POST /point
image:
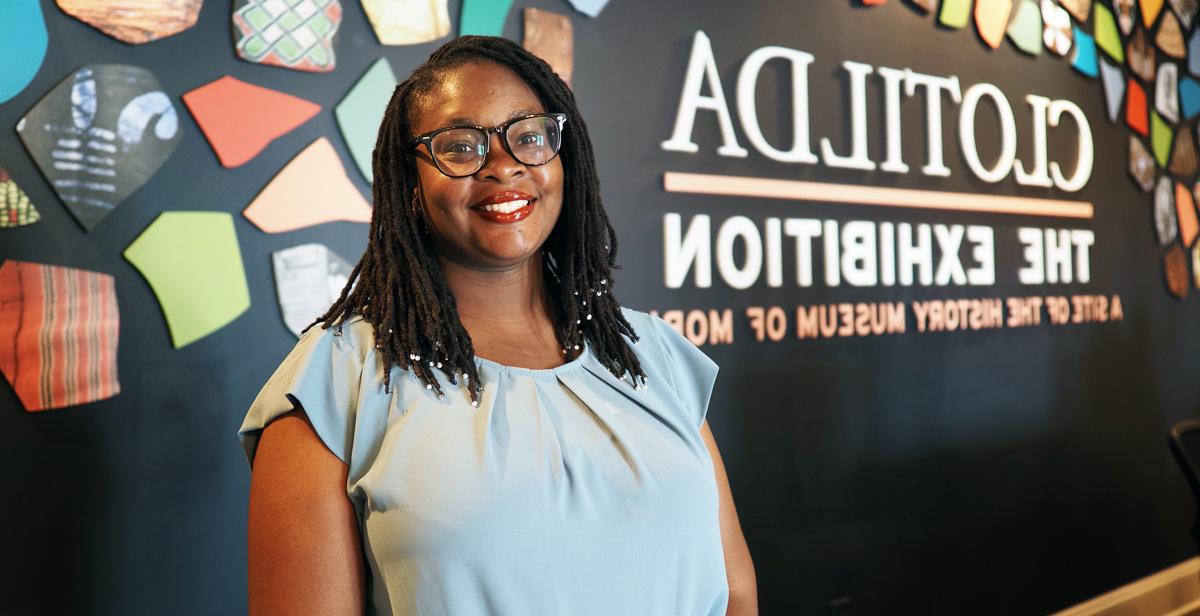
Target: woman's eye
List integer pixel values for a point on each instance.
(531, 139)
(459, 148)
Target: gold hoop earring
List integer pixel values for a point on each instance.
(418, 212)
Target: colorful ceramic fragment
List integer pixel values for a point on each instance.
(407, 22)
(954, 13)
(1141, 164)
(1186, 10)
(592, 8)
(16, 209)
(551, 37)
(99, 135)
(1125, 10)
(1135, 108)
(194, 266)
(22, 45)
(295, 34)
(1107, 37)
(1160, 139)
(1025, 30)
(1165, 226)
(1170, 37)
(361, 111)
(1196, 264)
(1150, 11)
(60, 327)
(1183, 154)
(484, 17)
(1166, 91)
(1079, 9)
(991, 19)
(135, 21)
(308, 279)
(1189, 96)
(1185, 212)
(1141, 56)
(1194, 53)
(1113, 80)
(1084, 57)
(312, 189)
(1056, 33)
(240, 119)
(1175, 270)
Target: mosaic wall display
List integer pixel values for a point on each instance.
(1149, 63)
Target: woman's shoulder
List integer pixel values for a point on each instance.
(654, 336)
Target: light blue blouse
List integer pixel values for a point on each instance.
(565, 492)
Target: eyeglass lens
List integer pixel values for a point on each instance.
(532, 141)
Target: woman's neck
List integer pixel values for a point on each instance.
(505, 302)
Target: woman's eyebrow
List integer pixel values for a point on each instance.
(465, 121)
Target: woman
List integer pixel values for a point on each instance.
(396, 470)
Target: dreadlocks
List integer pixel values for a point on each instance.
(398, 284)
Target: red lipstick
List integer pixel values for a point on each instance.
(505, 207)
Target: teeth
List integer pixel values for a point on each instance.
(507, 207)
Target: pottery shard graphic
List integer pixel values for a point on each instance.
(1164, 212)
(1056, 32)
(308, 279)
(295, 34)
(1141, 164)
(99, 135)
(135, 21)
(59, 328)
(15, 208)
(1141, 56)
(1175, 270)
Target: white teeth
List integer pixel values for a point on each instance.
(507, 207)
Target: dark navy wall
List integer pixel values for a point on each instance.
(1002, 471)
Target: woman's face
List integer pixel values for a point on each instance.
(464, 230)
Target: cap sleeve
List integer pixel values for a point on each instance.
(692, 373)
(321, 375)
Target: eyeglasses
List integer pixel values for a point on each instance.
(460, 151)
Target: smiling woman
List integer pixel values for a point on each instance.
(476, 426)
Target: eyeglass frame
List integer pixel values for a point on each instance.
(426, 139)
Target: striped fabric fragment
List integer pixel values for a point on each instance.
(58, 334)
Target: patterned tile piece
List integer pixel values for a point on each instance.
(1175, 271)
(1056, 33)
(135, 21)
(551, 37)
(60, 327)
(1141, 164)
(407, 22)
(99, 135)
(1166, 91)
(1164, 211)
(1170, 37)
(1141, 56)
(295, 34)
(16, 209)
(308, 279)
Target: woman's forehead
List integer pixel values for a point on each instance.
(483, 93)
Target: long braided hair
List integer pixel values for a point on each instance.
(398, 286)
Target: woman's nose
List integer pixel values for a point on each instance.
(500, 165)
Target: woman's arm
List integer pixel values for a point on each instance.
(743, 588)
(305, 552)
